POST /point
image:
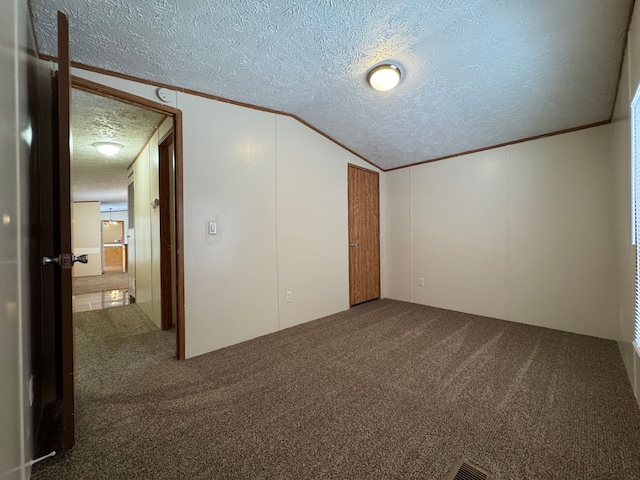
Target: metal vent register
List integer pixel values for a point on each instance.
(465, 470)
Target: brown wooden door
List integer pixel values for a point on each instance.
(364, 235)
(167, 207)
(61, 189)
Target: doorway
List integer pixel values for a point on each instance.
(58, 383)
(364, 234)
(166, 174)
(168, 182)
(58, 424)
(115, 256)
(109, 137)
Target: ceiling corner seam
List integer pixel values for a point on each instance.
(411, 234)
(275, 205)
(507, 233)
(33, 29)
(625, 46)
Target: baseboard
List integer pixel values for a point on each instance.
(631, 360)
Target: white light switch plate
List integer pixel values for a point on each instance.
(213, 228)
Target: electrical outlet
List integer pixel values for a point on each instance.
(289, 297)
(421, 282)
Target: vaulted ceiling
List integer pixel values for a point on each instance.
(476, 73)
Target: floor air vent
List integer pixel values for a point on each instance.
(464, 470)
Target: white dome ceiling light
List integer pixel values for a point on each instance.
(384, 77)
(108, 148)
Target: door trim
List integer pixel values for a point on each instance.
(176, 114)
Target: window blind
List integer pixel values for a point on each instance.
(635, 193)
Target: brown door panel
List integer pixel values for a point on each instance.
(364, 235)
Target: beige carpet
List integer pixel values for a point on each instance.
(100, 283)
(386, 390)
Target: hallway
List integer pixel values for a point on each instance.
(100, 291)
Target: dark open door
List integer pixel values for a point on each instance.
(167, 232)
(62, 259)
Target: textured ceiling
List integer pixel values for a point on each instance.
(476, 73)
(99, 119)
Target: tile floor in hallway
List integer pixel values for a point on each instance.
(98, 300)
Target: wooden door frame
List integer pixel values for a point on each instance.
(114, 94)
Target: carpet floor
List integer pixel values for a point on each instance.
(386, 390)
(100, 283)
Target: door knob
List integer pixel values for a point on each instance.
(82, 258)
(50, 260)
(353, 245)
(74, 259)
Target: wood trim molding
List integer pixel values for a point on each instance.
(624, 50)
(352, 152)
(362, 168)
(203, 95)
(179, 212)
(134, 161)
(81, 83)
(514, 142)
(152, 83)
(121, 96)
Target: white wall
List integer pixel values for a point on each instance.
(561, 251)
(86, 237)
(311, 180)
(154, 217)
(144, 238)
(143, 230)
(397, 234)
(521, 233)
(229, 177)
(278, 192)
(629, 82)
(11, 266)
(131, 238)
(17, 69)
(459, 234)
